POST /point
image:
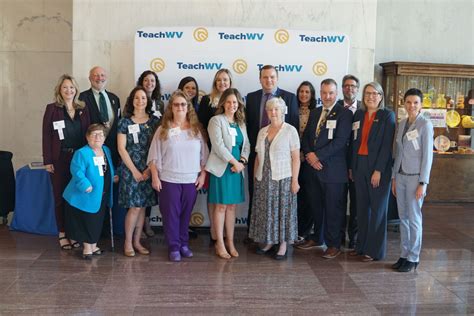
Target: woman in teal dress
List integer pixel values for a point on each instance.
(229, 153)
(135, 131)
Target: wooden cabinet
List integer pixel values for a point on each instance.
(452, 176)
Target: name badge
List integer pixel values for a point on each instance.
(412, 136)
(157, 114)
(173, 131)
(355, 127)
(233, 134)
(331, 125)
(99, 162)
(134, 129)
(59, 126)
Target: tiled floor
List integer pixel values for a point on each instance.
(38, 278)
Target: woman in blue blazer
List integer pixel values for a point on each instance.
(89, 191)
(410, 177)
(371, 164)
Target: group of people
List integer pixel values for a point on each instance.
(303, 161)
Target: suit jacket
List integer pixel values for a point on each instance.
(379, 143)
(349, 151)
(111, 140)
(331, 152)
(51, 141)
(412, 160)
(85, 174)
(221, 151)
(252, 112)
(205, 111)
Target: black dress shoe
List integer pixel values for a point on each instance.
(408, 266)
(399, 263)
(261, 251)
(281, 257)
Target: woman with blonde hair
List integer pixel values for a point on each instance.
(177, 156)
(65, 123)
(207, 108)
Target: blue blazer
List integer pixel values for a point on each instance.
(379, 143)
(331, 152)
(252, 112)
(414, 160)
(85, 174)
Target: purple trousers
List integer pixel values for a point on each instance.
(176, 204)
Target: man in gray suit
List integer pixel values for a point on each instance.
(350, 90)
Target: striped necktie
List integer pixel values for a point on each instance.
(322, 122)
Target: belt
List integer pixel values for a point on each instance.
(408, 174)
(68, 150)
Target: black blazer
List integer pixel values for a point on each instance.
(331, 152)
(111, 140)
(252, 113)
(379, 143)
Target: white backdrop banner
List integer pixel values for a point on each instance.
(298, 55)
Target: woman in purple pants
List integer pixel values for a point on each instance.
(177, 156)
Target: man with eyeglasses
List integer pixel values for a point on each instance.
(104, 107)
(350, 89)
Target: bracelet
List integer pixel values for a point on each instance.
(242, 161)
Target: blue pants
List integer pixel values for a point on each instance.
(372, 206)
(409, 211)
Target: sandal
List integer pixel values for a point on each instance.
(75, 244)
(367, 258)
(64, 246)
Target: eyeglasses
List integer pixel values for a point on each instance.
(184, 104)
(351, 86)
(97, 135)
(371, 94)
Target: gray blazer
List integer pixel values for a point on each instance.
(221, 141)
(412, 160)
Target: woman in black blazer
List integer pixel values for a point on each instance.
(371, 162)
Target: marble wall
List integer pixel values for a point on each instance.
(35, 49)
(41, 39)
(108, 39)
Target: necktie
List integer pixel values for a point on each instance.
(104, 115)
(322, 122)
(265, 121)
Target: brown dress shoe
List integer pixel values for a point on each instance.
(331, 253)
(308, 244)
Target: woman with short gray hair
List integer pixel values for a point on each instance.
(274, 220)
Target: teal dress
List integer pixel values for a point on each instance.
(229, 189)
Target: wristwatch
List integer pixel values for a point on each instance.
(422, 183)
(243, 162)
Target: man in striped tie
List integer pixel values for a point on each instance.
(324, 145)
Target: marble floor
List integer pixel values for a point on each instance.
(38, 278)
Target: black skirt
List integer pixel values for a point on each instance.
(83, 226)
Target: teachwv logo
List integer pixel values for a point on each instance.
(157, 65)
(159, 34)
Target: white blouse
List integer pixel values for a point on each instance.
(180, 157)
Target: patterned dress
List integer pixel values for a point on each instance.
(274, 217)
(132, 193)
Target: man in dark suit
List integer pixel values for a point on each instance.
(350, 89)
(324, 145)
(257, 118)
(104, 107)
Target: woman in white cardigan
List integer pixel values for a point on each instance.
(274, 220)
(229, 153)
